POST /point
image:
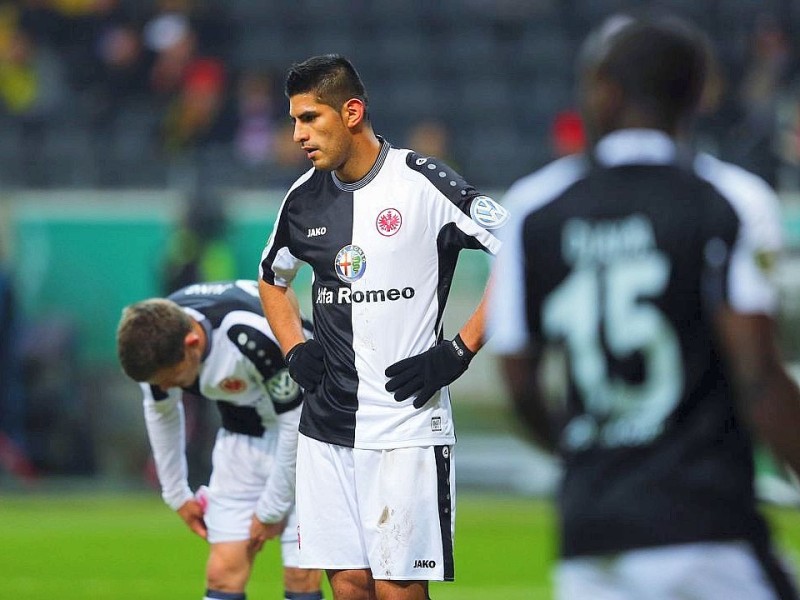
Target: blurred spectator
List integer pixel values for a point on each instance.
(567, 135)
(122, 68)
(762, 84)
(431, 138)
(257, 119)
(174, 43)
(32, 91)
(32, 86)
(198, 251)
(13, 439)
(200, 115)
(290, 160)
(43, 23)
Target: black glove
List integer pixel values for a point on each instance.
(305, 362)
(426, 373)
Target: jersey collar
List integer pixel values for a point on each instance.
(357, 185)
(636, 146)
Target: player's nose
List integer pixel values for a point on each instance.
(300, 133)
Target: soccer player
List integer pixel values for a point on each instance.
(650, 268)
(212, 339)
(381, 228)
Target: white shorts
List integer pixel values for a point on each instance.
(702, 571)
(390, 511)
(241, 465)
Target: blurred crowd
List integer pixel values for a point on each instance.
(119, 93)
(160, 70)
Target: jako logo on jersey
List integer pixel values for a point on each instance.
(316, 231)
(232, 385)
(350, 263)
(487, 213)
(389, 221)
(345, 295)
(424, 564)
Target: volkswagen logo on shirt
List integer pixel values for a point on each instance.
(350, 263)
(487, 213)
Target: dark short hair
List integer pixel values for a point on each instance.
(331, 77)
(659, 62)
(150, 337)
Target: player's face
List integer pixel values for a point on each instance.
(182, 374)
(321, 132)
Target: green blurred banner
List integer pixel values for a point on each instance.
(83, 256)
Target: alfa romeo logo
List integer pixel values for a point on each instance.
(350, 263)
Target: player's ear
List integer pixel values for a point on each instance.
(191, 340)
(353, 112)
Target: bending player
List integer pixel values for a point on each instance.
(212, 339)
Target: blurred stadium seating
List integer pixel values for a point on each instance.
(495, 73)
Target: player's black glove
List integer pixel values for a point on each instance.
(305, 362)
(426, 373)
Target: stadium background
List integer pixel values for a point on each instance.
(142, 142)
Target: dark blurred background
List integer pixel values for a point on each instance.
(145, 144)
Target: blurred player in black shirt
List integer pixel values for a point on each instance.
(652, 268)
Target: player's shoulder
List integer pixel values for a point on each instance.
(303, 182)
(537, 189)
(249, 335)
(742, 188)
(435, 170)
(433, 173)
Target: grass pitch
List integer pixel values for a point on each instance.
(114, 547)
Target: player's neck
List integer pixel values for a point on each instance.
(365, 151)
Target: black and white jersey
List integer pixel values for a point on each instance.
(383, 251)
(242, 371)
(622, 261)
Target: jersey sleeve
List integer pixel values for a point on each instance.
(278, 495)
(267, 361)
(465, 217)
(164, 420)
(507, 327)
(751, 258)
(278, 265)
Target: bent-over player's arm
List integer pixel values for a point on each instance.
(768, 397)
(281, 309)
(165, 423)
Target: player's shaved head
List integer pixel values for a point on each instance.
(150, 337)
(658, 66)
(331, 77)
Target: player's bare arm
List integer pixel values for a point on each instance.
(769, 397)
(192, 514)
(282, 313)
(263, 532)
(521, 373)
(473, 333)
(303, 357)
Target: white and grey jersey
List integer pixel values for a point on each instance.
(242, 371)
(623, 261)
(383, 251)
